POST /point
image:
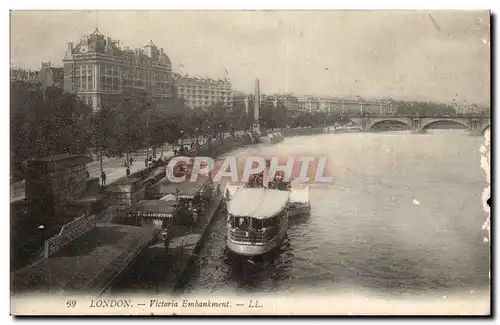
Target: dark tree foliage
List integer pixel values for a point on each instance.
(47, 122)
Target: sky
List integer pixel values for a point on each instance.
(412, 55)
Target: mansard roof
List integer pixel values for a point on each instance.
(96, 42)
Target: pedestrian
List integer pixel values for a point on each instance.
(131, 161)
(88, 174)
(103, 178)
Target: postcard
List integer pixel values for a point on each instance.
(250, 162)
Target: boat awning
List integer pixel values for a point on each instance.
(185, 189)
(232, 189)
(153, 209)
(169, 198)
(258, 203)
(299, 195)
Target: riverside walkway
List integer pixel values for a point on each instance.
(112, 167)
(88, 263)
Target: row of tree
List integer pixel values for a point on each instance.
(48, 121)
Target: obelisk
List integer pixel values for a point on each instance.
(256, 111)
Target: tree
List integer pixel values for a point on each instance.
(104, 136)
(279, 114)
(47, 122)
(133, 114)
(217, 113)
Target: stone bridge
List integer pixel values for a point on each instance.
(475, 125)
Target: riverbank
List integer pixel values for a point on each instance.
(303, 131)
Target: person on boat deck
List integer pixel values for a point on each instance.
(242, 223)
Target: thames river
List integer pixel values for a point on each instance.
(403, 215)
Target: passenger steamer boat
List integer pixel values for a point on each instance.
(258, 214)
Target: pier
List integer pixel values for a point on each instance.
(87, 264)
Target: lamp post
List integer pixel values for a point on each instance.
(182, 144)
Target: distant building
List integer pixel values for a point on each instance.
(204, 92)
(50, 76)
(291, 104)
(241, 104)
(99, 71)
(308, 104)
(469, 109)
(18, 74)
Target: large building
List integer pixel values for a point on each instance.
(99, 71)
(353, 105)
(204, 92)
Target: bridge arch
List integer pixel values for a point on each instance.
(426, 124)
(485, 127)
(390, 120)
(356, 121)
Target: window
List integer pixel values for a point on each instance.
(115, 84)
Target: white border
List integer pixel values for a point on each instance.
(186, 4)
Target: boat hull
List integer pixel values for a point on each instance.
(248, 249)
(299, 210)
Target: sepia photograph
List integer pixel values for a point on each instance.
(250, 162)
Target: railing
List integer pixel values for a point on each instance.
(253, 236)
(435, 115)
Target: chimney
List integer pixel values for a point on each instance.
(69, 51)
(162, 55)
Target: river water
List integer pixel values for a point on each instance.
(403, 215)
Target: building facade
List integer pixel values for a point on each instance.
(99, 71)
(203, 93)
(50, 76)
(291, 104)
(308, 104)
